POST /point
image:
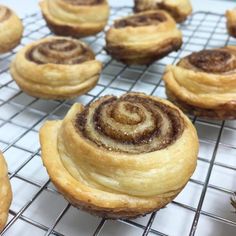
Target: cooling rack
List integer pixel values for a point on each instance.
(203, 207)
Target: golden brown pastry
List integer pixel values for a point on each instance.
(120, 157)
(76, 18)
(204, 83)
(11, 29)
(231, 22)
(56, 68)
(5, 193)
(143, 38)
(179, 9)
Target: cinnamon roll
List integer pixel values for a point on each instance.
(5, 193)
(56, 68)
(120, 157)
(231, 22)
(143, 38)
(76, 18)
(11, 29)
(203, 83)
(179, 9)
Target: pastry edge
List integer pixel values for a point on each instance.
(5, 199)
(118, 52)
(218, 113)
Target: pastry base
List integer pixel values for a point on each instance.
(111, 205)
(130, 56)
(224, 112)
(232, 30)
(48, 96)
(43, 91)
(70, 30)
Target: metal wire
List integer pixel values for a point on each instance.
(199, 31)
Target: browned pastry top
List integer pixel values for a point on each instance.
(131, 123)
(212, 61)
(84, 2)
(60, 51)
(4, 13)
(145, 19)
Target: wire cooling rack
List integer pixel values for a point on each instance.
(203, 207)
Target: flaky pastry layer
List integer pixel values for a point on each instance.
(179, 9)
(116, 184)
(5, 192)
(154, 36)
(11, 29)
(61, 68)
(204, 83)
(67, 18)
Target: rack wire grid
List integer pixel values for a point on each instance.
(203, 207)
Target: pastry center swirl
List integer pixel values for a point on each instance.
(131, 123)
(84, 2)
(213, 61)
(4, 13)
(60, 51)
(141, 20)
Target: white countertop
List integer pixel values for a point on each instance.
(30, 6)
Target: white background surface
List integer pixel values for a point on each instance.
(23, 7)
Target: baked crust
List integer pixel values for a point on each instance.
(154, 36)
(68, 18)
(179, 9)
(203, 84)
(11, 29)
(76, 73)
(5, 193)
(116, 184)
(231, 22)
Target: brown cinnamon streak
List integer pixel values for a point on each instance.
(140, 20)
(84, 2)
(59, 51)
(143, 137)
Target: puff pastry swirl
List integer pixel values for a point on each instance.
(76, 18)
(56, 68)
(120, 157)
(143, 38)
(5, 192)
(231, 22)
(179, 9)
(204, 83)
(11, 29)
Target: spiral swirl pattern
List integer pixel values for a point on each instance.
(213, 61)
(145, 19)
(84, 2)
(60, 51)
(4, 13)
(203, 83)
(132, 123)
